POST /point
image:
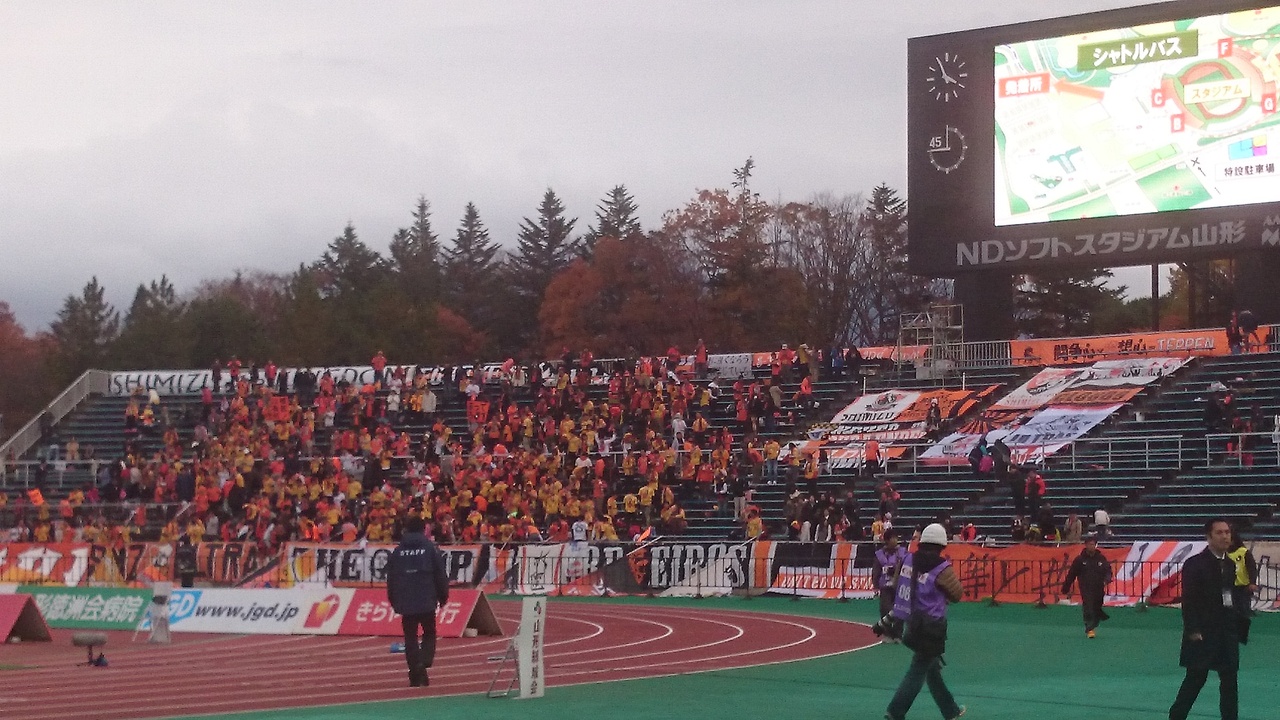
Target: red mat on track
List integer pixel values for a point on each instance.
(585, 643)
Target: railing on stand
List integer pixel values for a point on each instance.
(1229, 449)
(90, 382)
(1136, 452)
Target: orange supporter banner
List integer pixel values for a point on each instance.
(278, 409)
(1021, 573)
(1056, 351)
(477, 411)
(1097, 396)
(951, 404)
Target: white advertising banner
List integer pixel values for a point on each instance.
(296, 611)
(1047, 432)
(192, 382)
(1052, 428)
(1039, 390)
(954, 449)
(883, 407)
(1137, 371)
(544, 568)
(730, 366)
(338, 564)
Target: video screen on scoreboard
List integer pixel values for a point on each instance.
(1169, 116)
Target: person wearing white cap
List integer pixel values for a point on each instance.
(926, 583)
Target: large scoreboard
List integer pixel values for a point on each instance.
(1136, 136)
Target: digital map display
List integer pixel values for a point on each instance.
(1169, 116)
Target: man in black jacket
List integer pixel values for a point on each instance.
(1092, 569)
(186, 562)
(1210, 622)
(417, 584)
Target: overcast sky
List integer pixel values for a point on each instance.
(192, 139)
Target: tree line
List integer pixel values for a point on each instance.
(727, 267)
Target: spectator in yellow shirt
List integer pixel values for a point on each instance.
(645, 494)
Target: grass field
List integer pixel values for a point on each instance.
(1011, 662)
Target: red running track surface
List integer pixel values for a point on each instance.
(228, 673)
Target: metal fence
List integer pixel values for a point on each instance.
(694, 569)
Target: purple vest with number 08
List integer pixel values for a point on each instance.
(929, 598)
(888, 563)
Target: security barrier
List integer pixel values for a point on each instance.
(1144, 572)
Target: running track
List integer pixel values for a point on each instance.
(228, 673)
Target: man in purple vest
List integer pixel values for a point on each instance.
(885, 573)
(926, 583)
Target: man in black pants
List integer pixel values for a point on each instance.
(1093, 571)
(416, 585)
(1211, 624)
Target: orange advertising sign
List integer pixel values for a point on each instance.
(1054, 351)
(1020, 573)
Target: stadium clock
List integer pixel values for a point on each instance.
(947, 149)
(947, 77)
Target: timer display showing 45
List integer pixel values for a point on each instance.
(947, 149)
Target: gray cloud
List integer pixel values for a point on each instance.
(190, 140)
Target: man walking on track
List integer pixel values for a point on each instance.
(885, 572)
(1092, 569)
(1210, 624)
(416, 585)
(926, 583)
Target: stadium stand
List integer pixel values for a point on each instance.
(1151, 467)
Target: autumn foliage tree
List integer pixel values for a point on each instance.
(749, 298)
(23, 360)
(629, 297)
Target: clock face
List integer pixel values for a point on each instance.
(947, 149)
(947, 77)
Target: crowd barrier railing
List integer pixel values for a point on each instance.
(1017, 574)
(1227, 449)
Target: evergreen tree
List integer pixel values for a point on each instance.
(1201, 294)
(222, 325)
(890, 288)
(84, 331)
(616, 218)
(471, 270)
(304, 337)
(152, 335)
(349, 266)
(543, 248)
(1064, 303)
(415, 257)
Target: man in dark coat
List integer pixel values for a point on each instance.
(1211, 624)
(1092, 569)
(186, 562)
(417, 584)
